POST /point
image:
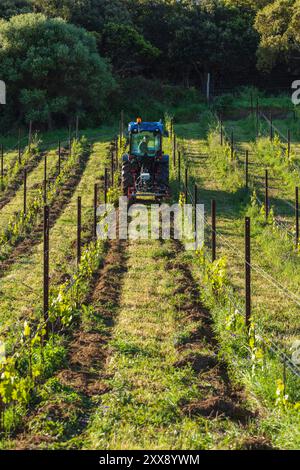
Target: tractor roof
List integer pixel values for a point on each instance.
(146, 126)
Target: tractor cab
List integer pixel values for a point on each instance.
(145, 169)
(145, 139)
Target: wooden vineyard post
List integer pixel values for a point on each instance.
(221, 133)
(247, 273)
(2, 410)
(45, 179)
(78, 230)
(95, 211)
(59, 157)
(30, 135)
(105, 185)
(70, 140)
(122, 125)
(186, 184)
(116, 146)
(114, 159)
(179, 168)
(2, 166)
(213, 231)
(46, 266)
(271, 128)
(25, 193)
(297, 217)
(247, 169)
(174, 150)
(195, 209)
(112, 168)
(257, 117)
(171, 127)
(77, 127)
(266, 194)
(19, 146)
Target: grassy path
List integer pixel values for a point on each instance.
(276, 312)
(65, 402)
(21, 286)
(15, 181)
(166, 388)
(34, 183)
(281, 192)
(142, 370)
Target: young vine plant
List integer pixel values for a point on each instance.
(20, 224)
(30, 153)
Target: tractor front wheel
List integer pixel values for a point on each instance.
(127, 178)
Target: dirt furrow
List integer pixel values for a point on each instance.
(67, 400)
(167, 387)
(143, 371)
(218, 397)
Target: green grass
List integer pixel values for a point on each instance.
(272, 250)
(144, 407)
(218, 179)
(21, 286)
(241, 99)
(149, 387)
(23, 282)
(254, 366)
(34, 184)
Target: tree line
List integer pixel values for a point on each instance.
(80, 56)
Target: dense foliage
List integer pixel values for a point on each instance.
(177, 43)
(206, 35)
(51, 68)
(278, 24)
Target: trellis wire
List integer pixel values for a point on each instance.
(294, 368)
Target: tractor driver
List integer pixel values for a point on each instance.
(143, 147)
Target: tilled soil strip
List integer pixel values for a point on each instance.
(59, 421)
(163, 331)
(219, 397)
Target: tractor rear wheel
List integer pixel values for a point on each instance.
(163, 175)
(127, 178)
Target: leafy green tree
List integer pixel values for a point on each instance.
(52, 69)
(214, 37)
(57, 8)
(91, 14)
(157, 21)
(9, 8)
(254, 5)
(127, 49)
(278, 25)
(111, 23)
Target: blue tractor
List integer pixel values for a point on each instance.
(145, 168)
